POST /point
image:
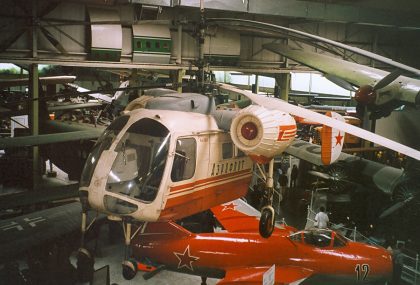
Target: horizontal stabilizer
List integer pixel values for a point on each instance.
(237, 216)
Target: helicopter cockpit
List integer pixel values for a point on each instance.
(319, 238)
(137, 169)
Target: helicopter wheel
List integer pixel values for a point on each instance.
(266, 226)
(85, 263)
(129, 269)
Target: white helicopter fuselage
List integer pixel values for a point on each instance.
(198, 164)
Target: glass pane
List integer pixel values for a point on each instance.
(239, 153)
(184, 161)
(339, 240)
(227, 150)
(296, 237)
(138, 168)
(119, 206)
(103, 143)
(318, 239)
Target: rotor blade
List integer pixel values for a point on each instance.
(387, 79)
(340, 82)
(395, 207)
(277, 104)
(320, 174)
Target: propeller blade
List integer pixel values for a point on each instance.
(395, 207)
(387, 79)
(277, 104)
(340, 82)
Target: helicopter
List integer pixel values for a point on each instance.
(171, 155)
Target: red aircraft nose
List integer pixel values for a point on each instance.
(372, 263)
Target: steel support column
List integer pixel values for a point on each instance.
(283, 81)
(34, 121)
(179, 75)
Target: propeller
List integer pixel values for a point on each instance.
(404, 194)
(366, 94)
(337, 177)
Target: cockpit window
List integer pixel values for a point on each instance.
(339, 240)
(103, 143)
(184, 161)
(141, 158)
(318, 239)
(296, 237)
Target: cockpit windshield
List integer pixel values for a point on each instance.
(103, 143)
(141, 158)
(317, 238)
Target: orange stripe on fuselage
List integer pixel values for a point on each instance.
(189, 190)
(207, 180)
(203, 199)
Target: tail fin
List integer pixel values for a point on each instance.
(332, 141)
(163, 230)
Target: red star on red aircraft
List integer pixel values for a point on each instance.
(186, 259)
(339, 137)
(230, 206)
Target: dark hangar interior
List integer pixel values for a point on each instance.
(262, 142)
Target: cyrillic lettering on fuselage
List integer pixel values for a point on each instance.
(227, 166)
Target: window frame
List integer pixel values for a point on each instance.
(177, 156)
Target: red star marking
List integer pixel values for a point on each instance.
(338, 138)
(230, 206)
(186, 259)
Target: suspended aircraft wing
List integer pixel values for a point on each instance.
(49, 80)
(98, 96)
(382, 176)
(357, 74)
(277, 104)
(254, 275)
(404, 89)
(48, 139)
(238, 216)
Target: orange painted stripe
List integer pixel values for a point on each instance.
(187, 205)
(285, 130)
(326, 133)
(206, 180)
(188, 189)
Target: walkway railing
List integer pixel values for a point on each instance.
(411, 269)
(349, 233)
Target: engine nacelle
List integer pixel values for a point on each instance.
(262, 133)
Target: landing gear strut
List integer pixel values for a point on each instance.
(267, 220)
(129, 267)
(85, 260)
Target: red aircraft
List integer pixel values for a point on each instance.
(240, 254)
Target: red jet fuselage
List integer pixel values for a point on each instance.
(321, 257)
